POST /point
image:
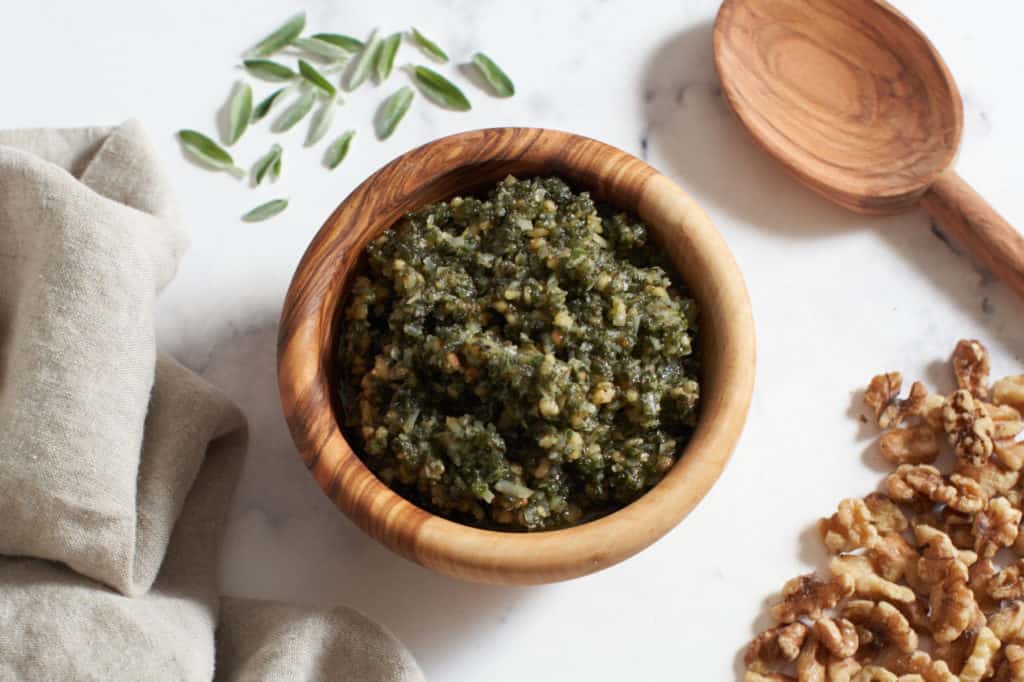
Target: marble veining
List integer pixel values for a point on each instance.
(836, 296)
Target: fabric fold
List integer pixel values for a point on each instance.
(117, 464)
(78, 284)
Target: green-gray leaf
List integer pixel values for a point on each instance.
(296, 111)
(268, 70)
(440, 89)
(263, 108)
(239, 112)
(338, 149)
(321, 122)
(207, 151)
(386, 56)
(266, 164)
(315, 78)
(266, 211)
(392, 111)
(275, 170)
(345, 42)
(497, 79)
(280, 38)
(322, 49)
(364, 63)
(429, 46)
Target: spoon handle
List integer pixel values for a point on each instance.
(970, 221)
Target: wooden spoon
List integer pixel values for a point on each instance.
(856, 103)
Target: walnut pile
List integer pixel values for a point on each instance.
(926, 581)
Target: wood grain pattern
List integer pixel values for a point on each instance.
(970, 221)
(463, 164)
(858, 105)
(852, 99)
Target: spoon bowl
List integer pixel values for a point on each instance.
(858, 105)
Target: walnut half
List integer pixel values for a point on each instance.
(968, 427)
(971, 367)
(910, 483)
(884, 621)
(995, 527)
(808, 595)
(775, 647)
(858, 522)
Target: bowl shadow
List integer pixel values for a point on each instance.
(285, 540)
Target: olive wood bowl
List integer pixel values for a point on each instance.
(464, 164)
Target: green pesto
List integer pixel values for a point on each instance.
(519, 361)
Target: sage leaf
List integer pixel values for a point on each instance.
(440, 89)
(322, 49)
(429, 46)
(275, 170)
(207, 151)
(280, 38)
(263, 108)
(494, 76)
(316, 78)
(392, 110)
(296, 111)
(239, 112)
(265, 211)
(268, 70)
(320, 123)
(345, 42)
(338, 149)
(266, 164)
(364, 63)
(386, 56)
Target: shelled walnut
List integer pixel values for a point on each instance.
(917, 587)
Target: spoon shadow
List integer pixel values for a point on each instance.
(693, 136)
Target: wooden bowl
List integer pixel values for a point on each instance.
(464, 164)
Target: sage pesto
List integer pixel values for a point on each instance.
(519, 361)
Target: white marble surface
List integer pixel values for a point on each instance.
(836, 297)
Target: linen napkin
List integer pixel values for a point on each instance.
(116, 463)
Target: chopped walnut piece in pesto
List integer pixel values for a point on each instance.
(520, 361)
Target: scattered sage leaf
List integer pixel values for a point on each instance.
(364, 63)
(392, 110)
(207, 151)
(428, 46)
(316, 78)
(338, 149)
(275, 170)
(340, 40)
(296, 111)
(440, 89)
(494, 76)
(239, 112)
(386, 56)
(320, 123)
(322, 49)
(280, 38)
(266, 164)
(266, 211)
(263, 108)
(268, 70)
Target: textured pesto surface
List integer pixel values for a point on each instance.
(519, 361)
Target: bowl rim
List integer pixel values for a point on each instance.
(307, 336)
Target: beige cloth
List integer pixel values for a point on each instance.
(117, 464)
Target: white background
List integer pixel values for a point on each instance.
(837, 297)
